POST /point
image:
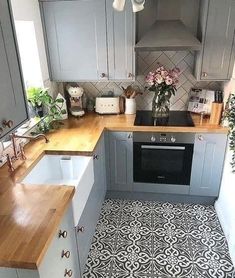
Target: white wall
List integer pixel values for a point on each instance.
(28, 10)
(225, 206)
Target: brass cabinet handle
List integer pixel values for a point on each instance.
(96, 156)
(63, 234)
(65, 254)
(8, 124)
(204, 74)
(200, 138)
(103, 75)
(80, 229)
(68, 273)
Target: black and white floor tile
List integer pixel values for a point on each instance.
(145, 239)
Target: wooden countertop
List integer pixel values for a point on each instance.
(30, 214)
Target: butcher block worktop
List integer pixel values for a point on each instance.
(30, 215)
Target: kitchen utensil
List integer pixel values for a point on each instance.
(119, 5)
(137, 5)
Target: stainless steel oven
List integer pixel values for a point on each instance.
(164, 158)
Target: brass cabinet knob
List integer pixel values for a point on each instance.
(80, 229)
(204, 74)
(68, 273)
(8, 124)
(103, 75)
(65, 254)
(63, 234)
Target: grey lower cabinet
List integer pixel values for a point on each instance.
(13, 103)
(120, 161)
(216, 31)
(61, 259)
(88, 40)
(207, 166)
(86, 227)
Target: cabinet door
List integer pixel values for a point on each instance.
(121, 41)
(75, 32)
(13, 103)
(207, 167)
(87, 224)
(218, 52)
(121, 161)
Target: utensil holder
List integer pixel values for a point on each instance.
(130, 106)
(216, 112)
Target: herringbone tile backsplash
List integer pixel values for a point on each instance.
(147, 61)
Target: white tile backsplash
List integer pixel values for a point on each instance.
(147, 61)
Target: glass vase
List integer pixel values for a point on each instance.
(160, 106)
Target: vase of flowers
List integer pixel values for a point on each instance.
(163, 82)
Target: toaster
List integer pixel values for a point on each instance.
(107, 105)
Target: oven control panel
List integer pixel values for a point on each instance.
(168, 137)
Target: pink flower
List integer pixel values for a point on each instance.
(159, 79)
(169, 81)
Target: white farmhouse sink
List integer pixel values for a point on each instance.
(65, 170)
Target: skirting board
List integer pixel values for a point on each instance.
(160, 197)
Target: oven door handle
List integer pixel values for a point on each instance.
(177, 148)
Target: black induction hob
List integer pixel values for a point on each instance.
(176, 118)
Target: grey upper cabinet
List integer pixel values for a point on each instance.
(88, 40)
(120, 161)
(121, 39)
(13, 103)
(75, 33)
(207, 166)
(216, 30)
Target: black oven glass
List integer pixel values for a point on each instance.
(163, 163)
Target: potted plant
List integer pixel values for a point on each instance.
(229, 116)
(163, 83)
(40, 98)
(35, 97)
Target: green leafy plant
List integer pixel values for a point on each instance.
(37, 96)
(229, 115)
(54, 107)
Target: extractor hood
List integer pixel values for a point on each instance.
(168, 35)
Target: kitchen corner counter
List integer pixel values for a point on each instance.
(30, 214)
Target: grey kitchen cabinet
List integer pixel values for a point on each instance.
(88, 40)
(61, 259)
(120, 161)
(75, 35)
(216, 31)
(207, 165)
(121, 40)
(87, 223)
(13, 105)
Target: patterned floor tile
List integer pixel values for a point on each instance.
(145, 239)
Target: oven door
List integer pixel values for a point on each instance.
(162, 163)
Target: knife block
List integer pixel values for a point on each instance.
(216, 113)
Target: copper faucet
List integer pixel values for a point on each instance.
(20, 154)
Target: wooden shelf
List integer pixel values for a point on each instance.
(168, 35)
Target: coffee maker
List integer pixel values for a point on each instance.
(75, 100)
